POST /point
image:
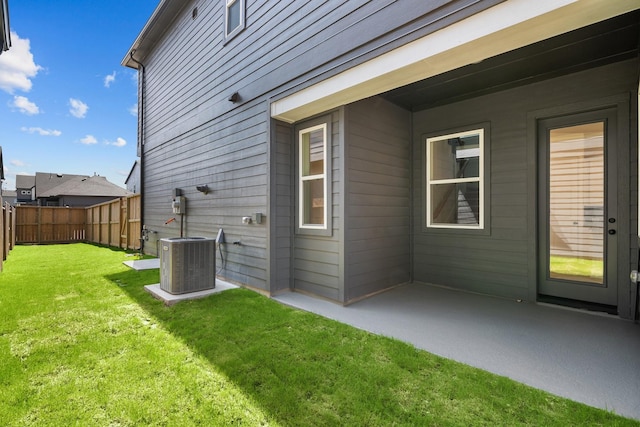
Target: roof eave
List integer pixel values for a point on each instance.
(160, 20)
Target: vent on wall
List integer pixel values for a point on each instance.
(187, 264)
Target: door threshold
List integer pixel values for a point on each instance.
(583, 306)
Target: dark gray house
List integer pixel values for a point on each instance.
(25, 189)
(349, 147)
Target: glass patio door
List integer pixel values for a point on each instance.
(577, 200)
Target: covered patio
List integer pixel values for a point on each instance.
(588, 357)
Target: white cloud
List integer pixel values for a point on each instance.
(40, 131)
(25, 106)
(78, 108)
(17, 67)
(89, 140)
(109, 79)
(133, 110)
(17, 163)
(119, 142)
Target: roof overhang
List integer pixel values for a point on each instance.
(505, 27)
(5, 30)
(161, 19)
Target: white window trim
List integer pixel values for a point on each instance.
(302, 179)
(480, 179)
(240, 27)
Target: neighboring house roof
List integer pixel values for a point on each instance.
(45, 181)
(78, 185)
(25, 181)
(5, 34)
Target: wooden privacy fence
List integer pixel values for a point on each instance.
(46, 224)
(7, 230)
(115, 223)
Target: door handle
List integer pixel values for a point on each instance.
(612, 232)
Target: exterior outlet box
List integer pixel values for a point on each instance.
(179, 205)
(187, 264)
(257, 218)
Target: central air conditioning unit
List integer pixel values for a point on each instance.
(187, 264)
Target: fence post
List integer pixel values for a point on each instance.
(7, 229)
(122, 226)
(14, 230)
(39, 227)
(2, 238)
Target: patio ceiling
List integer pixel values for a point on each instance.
(606, 42)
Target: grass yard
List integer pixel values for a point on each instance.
(574, 267)
(82, 343)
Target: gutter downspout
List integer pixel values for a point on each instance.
(141, 135)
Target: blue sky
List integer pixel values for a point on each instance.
(66, 103)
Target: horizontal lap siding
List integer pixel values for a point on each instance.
(282, 191)
(193, 135)
(317, 260)
(324, 38)
(284, 44)
(497, 262)
(377, 200)
(229, 155)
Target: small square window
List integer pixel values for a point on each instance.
(455, 180)
(234, 17)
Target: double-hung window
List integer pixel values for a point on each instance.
(233, 18)
(312, 177)
(455, 180)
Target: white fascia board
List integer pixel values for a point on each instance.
(502, 28)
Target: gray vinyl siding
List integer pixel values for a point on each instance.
(229, 155)
(317, 260)
(309, 41)
(501, 260)
(631, 197)
(193, 135)
(377, 202)
(75, 201)
(284, 45)
(282, 208)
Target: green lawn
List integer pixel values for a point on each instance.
(574, 267)
(81, 343)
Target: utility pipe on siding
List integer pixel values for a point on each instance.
(141, 81)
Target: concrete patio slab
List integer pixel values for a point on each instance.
(586, 357)
(143, 264)
(170, 299)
